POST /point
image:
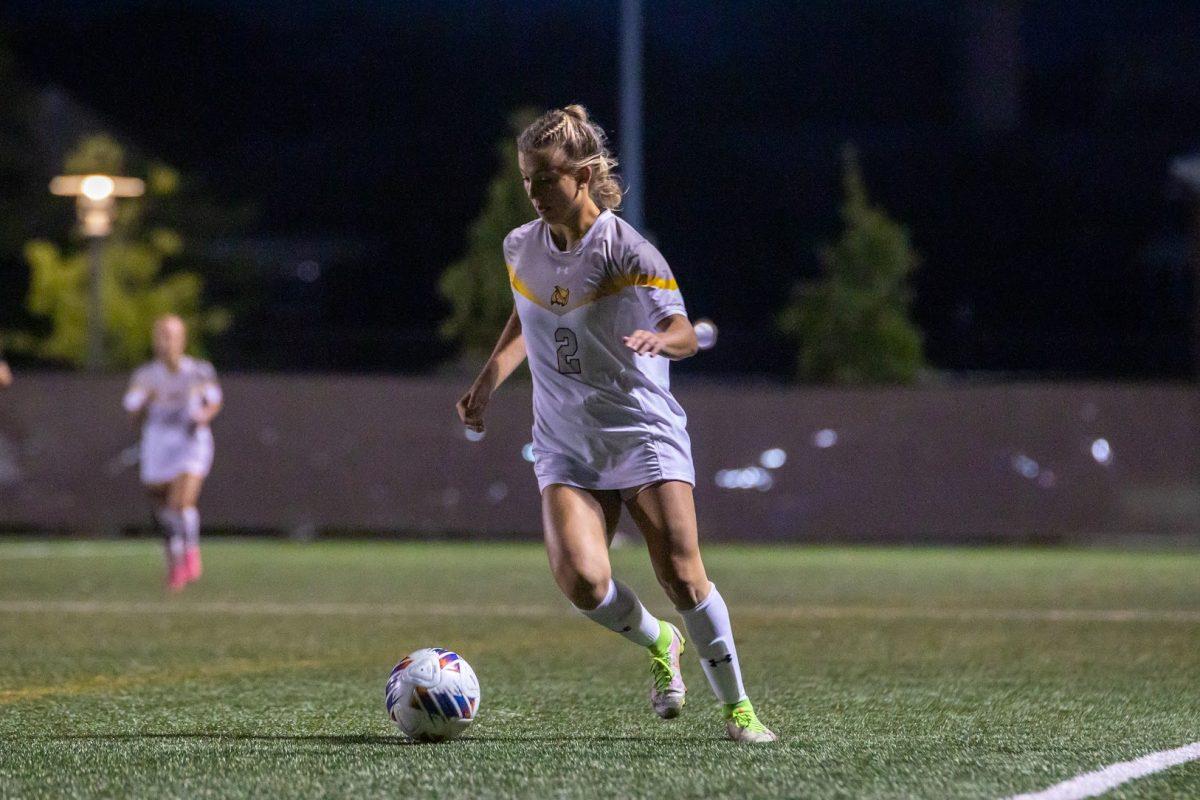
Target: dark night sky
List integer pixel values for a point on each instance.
(380, 122)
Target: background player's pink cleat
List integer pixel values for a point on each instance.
(177, 577)
(191, 564)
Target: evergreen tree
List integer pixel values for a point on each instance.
(476, 286)
(853, 326)
(134, 288)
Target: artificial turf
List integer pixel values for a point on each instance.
(886, 672)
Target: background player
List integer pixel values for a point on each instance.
(174, 398)
(595, 307)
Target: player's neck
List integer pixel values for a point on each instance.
(172, 365)
(569, 233)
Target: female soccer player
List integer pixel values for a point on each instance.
(174, 398)
(598, 313)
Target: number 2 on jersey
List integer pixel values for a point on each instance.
(568, 345)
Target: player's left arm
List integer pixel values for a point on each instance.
(212, 400)
(674, 339)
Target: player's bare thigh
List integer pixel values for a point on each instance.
(159, 493)
(578, 525)
(184, 491)
(665, 513)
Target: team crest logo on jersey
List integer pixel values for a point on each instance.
(560, 296)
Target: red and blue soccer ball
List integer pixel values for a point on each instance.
(432, 695)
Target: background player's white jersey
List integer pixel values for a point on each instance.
(171, 444)
(604, 417)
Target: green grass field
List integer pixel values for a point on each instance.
(887, 673)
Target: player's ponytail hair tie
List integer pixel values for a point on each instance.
(583, 143)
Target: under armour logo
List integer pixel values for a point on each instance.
(712, 662)
(561, 270)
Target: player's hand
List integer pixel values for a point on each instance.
(645, 343)
(5, 375)
(471, 406)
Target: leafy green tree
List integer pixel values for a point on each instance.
(135, 288)
(476, 286)
(852, 326)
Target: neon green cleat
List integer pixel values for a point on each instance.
(667, 692)
(743, 726)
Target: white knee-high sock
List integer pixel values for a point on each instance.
(621, 611)
(172, 523)
(191, 527)
(712, 635)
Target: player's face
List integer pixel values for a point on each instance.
(170, 338)
(556, 193)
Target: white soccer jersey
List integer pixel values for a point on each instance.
(604, 417)
(171, 444)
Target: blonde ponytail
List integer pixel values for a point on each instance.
(584, 144)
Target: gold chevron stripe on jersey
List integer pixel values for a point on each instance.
(607, 288)
(617, 283)
(519, 286)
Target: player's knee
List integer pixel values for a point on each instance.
(684, 586)
(585, 590)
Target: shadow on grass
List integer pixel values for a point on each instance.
(357, 739)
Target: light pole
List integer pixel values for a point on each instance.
(631, 111)
(95, 200)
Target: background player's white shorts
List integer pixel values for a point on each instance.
(170, 452)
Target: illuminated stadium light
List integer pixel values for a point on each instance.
(95, 208)
(825, 438)
(1102, 452)
(97, 187)
(527, 452)
(774, 458)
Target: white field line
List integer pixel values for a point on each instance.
(14, 552)
(1091, 784)
(758, 612)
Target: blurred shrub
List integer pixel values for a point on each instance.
(853, 325)
(476, 286)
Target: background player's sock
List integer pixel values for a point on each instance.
(174, 537)
(621, 611)
(191, 538)
(708, 625)
(176, 547)
(191, 526)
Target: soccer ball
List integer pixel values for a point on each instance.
(432, 695)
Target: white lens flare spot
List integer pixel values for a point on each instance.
(527, 452)
(825, 438)
(1102, 452)
(745, 478)
(774, 458)
(97, 187)
(1025, 466)
(497, 491)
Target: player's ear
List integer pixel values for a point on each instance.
(584, 175)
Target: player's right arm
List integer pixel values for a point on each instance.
(507, 355)
(137, 397)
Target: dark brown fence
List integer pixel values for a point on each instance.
(312, 454)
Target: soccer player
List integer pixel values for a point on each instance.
(174, 398)
(599, 315)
